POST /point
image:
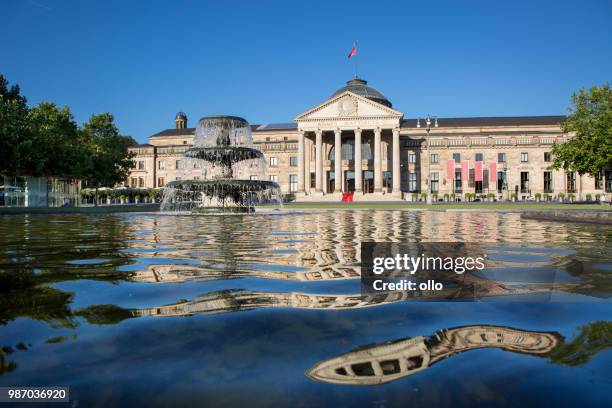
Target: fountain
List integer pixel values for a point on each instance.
(224, 172)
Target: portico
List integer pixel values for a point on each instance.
(350, 143)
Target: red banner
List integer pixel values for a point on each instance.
(450, 170)
(492, 172)
(478, 171)
(465, 165)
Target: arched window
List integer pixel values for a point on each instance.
(348, 151)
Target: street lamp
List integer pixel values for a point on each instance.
(428, 129)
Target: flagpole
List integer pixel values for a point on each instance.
(356, 57)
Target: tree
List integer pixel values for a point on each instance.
(590, 150)
(111, 160)
(60, 150)
(15, 144)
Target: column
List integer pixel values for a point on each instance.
(319, 161)
(397, 175)
(377, 162)
(301, 161)
(338, 160)
(358, 172)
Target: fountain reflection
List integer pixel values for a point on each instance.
(390, 361)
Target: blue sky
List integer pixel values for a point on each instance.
(268, 61)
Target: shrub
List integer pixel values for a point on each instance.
(491, 195)
(597, 197)
(561, 195)
(538, 196)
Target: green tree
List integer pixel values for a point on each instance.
(15, 143)
(591, 119)
(60, 149)
(111, 160)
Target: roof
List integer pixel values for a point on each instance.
(142, 145)
(276, 126)
(175, 132)
(490, 121)
(360, 87)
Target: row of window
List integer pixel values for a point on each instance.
(293, 161)
(501, 157)
(479, 186)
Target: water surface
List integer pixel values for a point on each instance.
(158, 310)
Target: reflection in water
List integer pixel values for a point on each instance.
(390, 361)
(72, 289)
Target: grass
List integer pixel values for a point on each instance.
(505, 206)
(103, 209)
(451, 206)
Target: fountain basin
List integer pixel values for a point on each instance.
(224, 155)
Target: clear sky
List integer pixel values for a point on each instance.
(268, 61)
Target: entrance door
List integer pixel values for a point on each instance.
(331, 182)
(368, 181)
(349, 180)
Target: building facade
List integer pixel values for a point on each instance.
(355, 142)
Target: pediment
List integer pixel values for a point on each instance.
(348, 105)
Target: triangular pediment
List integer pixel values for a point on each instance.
(348, 105)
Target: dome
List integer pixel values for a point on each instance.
(181, 115)
(360, 87)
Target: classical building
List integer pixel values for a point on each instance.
(356, 142)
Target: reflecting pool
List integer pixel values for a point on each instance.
(266, 310)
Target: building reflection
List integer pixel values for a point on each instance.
(390, 361)
(241, 300)
(313, 246)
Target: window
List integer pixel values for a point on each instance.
(293, 161)
(458, 182)
(471, 177)
(363, 369)
(273, 161)
(184, 142)
(598, 181)
(313, 180)
(457, 157)
(435, 182)
(412, 182)
(293, 183)
(548, 186)
(390, 367)
(571, 182)
(608, 176)
(161, 181)
(478, 157)
(140, 182)
(178, 179)
(501, 157)
(411, 157)
(485, 178)
(178, 165)
(254, 177)
(547, 157)
(161, 165)
(524, 181)
(501, 181)
(274, 178)
(434, 158)
(524, 157)
(386, 175)
(141, 165)
(133, 182)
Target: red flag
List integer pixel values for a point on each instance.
(450, 169)
(478, 171)
(492, 172)
(465, 165)
(353, 52)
